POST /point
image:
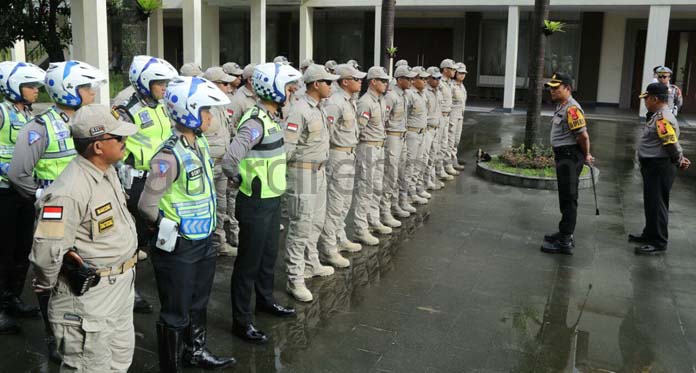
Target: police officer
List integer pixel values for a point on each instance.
(307, 144)
(19, 83)
(233, 69)
(83, 218)
(571, 148)
(256, 161)
(148, 77)
(218, 136)
(179, 199)
(397, 107)
(660, 155)
(372, 113)
(341, 118)
(416, 124)
(459, 96)
(675, 100)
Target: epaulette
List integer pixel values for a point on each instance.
(170, 143)
(254, 113)
(39, 119)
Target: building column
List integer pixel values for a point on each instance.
(306, 32)
(655, 45)
(378, 36)
(18, 52)
(513, 38)
(211, 35)
(155, 34)
(258, 31)
(90, 39)
(193, 31)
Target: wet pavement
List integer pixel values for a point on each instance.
(463, 286)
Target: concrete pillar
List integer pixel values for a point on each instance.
(306, 32)
(211, 35)
(258, 31)
(378, 36)
(655, 45)
(90, 38)
(155, 34)
(512, 45)
(18, 52)
(193, 31)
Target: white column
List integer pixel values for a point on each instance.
(378, 36)
(193, 31)
(90, 38)
(513, 37)
(258, 31)
(655, 45)
(306, 32)
(155, 34)
(211, 36)
(18, 52)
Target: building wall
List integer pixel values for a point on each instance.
(611, 60)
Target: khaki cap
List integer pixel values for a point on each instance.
(447, 63)
(377, 72)
(401, 63)
(404, 71)
(232, 68)
(353, 63)
(346, 70)
(330, 64)
(306, 63)
(282, 60)
(248, 71)
(461, 68)
(434, 72)
(317, 72)
(421, 71)
(94, 120)
(190, 69)
(217, 74)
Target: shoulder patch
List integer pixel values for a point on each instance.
(255, 133)
(33, 137)
(40, 120)
(162, 167)
(576, 119)
(365, 114)
(52, 213)
(665, 131)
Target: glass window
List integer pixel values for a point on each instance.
(492, 46)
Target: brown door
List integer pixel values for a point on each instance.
(637, 80)
(423, 46)
(689, 88)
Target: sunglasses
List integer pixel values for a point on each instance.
(421, 78)
(663, 76)
(356, 79)
(327, 82)
(117, 138)
(223, 83)
(435, 78)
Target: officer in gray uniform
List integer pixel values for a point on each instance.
(307, 144)
(218, 136)
(675, 99)
(459, 96)
(83, 220)
(372, 113)
(571, 148)
(660, 155)
(397, 109)
(416, 123)
(341, 117)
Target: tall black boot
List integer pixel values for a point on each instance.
(53, 355)
(14, 306)
(195, 353)
(169, 345)
(8, 325)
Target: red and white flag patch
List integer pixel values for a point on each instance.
(365, 114)
(330, 119)
(52, 213)
(293, 127)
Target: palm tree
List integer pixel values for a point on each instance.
(536, 73)
(388, 10)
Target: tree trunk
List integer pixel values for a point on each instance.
(51, 39)
(388, 10)
(536, 73)
(133, 36)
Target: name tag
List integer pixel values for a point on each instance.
(105, 224)
(194, 174)
(102, 209)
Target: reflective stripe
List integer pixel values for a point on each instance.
(142, 139)
(265, 153)
(189, 203)
(61, 154)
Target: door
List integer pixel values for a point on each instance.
(423, 46)
(689, 88)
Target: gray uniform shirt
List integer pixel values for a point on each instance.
(341, 116)
(372, 113)
(434, 109)
(306, 132)
(417, 104)
(242, 101)
(445, 98)
(397, 108)
(660, 138)
(248, 136)
(675, 99)
(567, 123)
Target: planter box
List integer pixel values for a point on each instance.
(484, 170)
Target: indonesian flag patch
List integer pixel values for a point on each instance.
(293, 127)
(365, 114)
(52, 213)
(230, 112)
(330, 119)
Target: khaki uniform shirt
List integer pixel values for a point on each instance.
(85, 208)
(434, 97)
(372, 113)
(445, 88)
(397, 108)
(567, 123)
(458, 100)
(242, 101)
(218, 134)
(306, 132)
(417, 108)
(341, 114)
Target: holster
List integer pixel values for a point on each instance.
(80, 275)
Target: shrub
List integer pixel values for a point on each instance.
(538, 157)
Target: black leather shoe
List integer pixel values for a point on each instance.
(14, 306)
(557, 247)
(196, 353)
(558, 236)
(649, 250)
(276, 310)
(8, 325)
(140, 305)
(249, 333)
(638, 238)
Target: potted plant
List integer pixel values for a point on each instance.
(145, 7)
(551, 27)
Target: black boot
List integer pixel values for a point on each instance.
(551, 238)
(43, 298)
(169, 345)
(14, 306)
(563, 245)
(140, 305)
(8, 325)
(195, 352)
(53, 354)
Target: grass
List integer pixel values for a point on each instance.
(549, 172)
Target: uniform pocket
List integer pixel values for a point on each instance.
(314, 128)
(348, 122)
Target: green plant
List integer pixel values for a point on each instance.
(149, 5)
(551, 27)
(538, 157)
(391, 51)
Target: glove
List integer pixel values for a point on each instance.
(38, 193)
(125, 174)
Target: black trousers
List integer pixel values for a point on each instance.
(259, 229)
(144, 234)
(17, 221)
(658, 177)
(569, 161)
(184, 279)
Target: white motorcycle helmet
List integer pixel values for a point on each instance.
(186, 96)
(14, 74)
(145, 70)
(63, 79)
(269, 81)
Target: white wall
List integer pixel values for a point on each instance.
(611, 58)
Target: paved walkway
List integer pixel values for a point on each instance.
(463, 287)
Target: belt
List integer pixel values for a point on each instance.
(119, 269)
(347, 149)
(373, 143)
(314, 166)
(416, 130)
(396, 133)
(432, 128)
